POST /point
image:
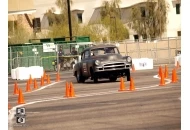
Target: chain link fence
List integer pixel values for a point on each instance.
(162, 51)
(46, 55)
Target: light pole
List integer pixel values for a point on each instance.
(69, 19)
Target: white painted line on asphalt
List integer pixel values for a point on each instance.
(43, 87)
(12, 111)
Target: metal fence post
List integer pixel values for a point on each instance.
(17, 59)
(57, 59)
(10, 58)
(138, 48)
(147, 49)
(169, 55)
(176, 46)
(156, 52)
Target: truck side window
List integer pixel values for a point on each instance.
(86, 54)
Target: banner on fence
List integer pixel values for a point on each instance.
(49, 47)
(143, 63)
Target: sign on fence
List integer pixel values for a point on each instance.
(143, 63)
(49, 47)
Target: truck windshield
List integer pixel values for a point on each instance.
(103, 51)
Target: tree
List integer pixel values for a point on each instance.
(18, 36)
(150, 20)
(110, 9)
(111, 19)
(59, 22)
(54, 18)
(62, 5)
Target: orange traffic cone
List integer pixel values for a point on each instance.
(28, 86)
(15, 88)
(160, 71)
(42, 81)
(133, 68)
(30, 79)
(132, 86)
(20, 97)
(72, 91)
(162, 80)
(48, 79)
(57, 77)
(166, 71)
(35, 84)
(122, 85)
(45, 76)
(67, 89)
(174, 76)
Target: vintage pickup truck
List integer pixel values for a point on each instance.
(102, 62)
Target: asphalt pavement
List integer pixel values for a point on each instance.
(101, 106)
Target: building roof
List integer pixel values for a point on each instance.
(30, 11)
(123, 4)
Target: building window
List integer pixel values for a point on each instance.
(79, 16)
(143, 13)
(136, 37)
(177, 8)
(179, 33)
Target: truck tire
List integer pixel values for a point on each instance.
(79, 77)
(95, 79)
(128, 75)
(112, 79)
(93, 75)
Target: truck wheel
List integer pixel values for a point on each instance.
(79, 77)
(93, 75)
(112, 79)
(95, 79)
(128, 74)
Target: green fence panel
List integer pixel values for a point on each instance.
(61, 39)
(83, 39)
(46, 40)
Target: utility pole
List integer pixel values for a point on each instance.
(69, 19)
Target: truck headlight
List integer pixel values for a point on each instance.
(129, 59)
(97, 62)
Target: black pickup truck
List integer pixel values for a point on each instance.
(102, 62)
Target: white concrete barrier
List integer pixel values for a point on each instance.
(36, 71)
(177, 58)
(23, 73)
(142, 63)
(13, 73)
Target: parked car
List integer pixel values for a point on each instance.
(102, 62)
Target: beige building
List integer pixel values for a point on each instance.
(88, 11)
(21, 12)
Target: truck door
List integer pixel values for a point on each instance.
(85, 62)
